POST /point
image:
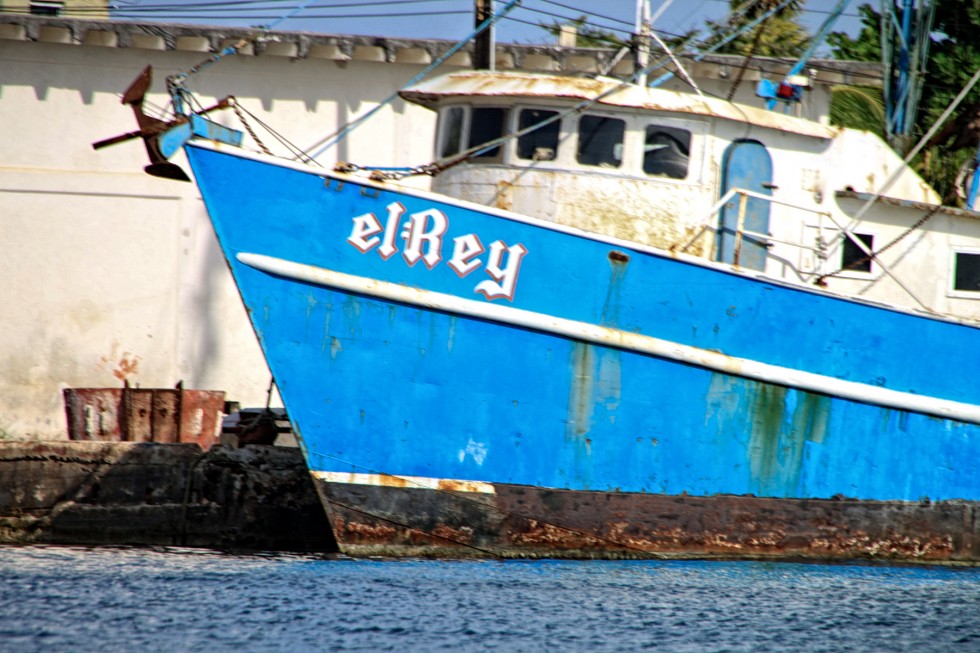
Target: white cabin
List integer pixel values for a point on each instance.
(728, 182)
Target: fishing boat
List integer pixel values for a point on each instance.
(625, 322)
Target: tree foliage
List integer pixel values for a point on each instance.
(779, 35)
(858, 107)
(586, 36)
(954, 56)
(867, 45)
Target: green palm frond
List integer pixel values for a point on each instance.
(858, 107)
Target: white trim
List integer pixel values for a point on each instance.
(606, 93)
(951, 289)
(394, 187)
(807, 381)
(411, 482)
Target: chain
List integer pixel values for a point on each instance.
(820, 281)
(248, 127)
(384, 174)
(179, 78)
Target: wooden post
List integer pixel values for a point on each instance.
(483, 45)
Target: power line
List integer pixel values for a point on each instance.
(305, 16)
(238, 5)
(570, 19)
(804, 10)
(613, 19)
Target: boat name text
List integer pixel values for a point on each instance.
(422, 236)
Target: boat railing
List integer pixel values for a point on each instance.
(820, 248)
(710, 223)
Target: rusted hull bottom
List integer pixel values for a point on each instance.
(529, 522)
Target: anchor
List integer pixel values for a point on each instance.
(164, 138)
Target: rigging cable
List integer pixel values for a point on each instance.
(349, 127)
(435, 167)
(856, 220)
(728, 39)
(564, 6)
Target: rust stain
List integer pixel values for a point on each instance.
(370, 532)
(535, 533)
(144, 414)
(536, 522)
(505, 84)
(504, 197)
(451, 485)
(641, 214)
(463, 535)
(392, 481)
(125, 367)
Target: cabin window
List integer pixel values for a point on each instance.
(451, 134)
(600, 141)
(666, 151)
(487, 124)
(542, 143)
(853, 258)
(966, 272)
(43, 8)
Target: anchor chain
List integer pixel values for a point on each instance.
(821, 280)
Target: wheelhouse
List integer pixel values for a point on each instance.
(625, 143)
(790, 198)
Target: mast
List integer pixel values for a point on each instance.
(905, 49)
(641, 52)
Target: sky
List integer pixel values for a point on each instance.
(448, 19)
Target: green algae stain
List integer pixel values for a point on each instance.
(767, 405)
(580, 402)
(775, 423)
(812, 415)
(595, 388)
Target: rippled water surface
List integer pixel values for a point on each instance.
(126, 599)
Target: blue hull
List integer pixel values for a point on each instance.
(421, 345)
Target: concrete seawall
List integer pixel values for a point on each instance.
(256, 497)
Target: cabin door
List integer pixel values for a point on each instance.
(746, 164)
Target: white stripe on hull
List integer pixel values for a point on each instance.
(605, 336)
(414, 482)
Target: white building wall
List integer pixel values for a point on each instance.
(109, 274)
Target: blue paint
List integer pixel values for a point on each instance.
(176, 137)
(381, 387)
(746, 165)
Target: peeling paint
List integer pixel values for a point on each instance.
(527, 522)
(580, 398)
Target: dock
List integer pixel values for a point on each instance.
(159, 494)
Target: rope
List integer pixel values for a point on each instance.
(292, 147)
(248, 128)
(756, 42)
(288, 15)
(349, 127)
(175, 82)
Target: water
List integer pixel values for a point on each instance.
(137, 599)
